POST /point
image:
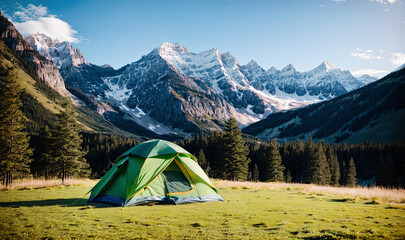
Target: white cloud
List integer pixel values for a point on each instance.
(397, 58)
(370, 72)
(35, 19)
(365, 54)
(31, 12)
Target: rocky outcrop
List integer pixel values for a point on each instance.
(46, 69)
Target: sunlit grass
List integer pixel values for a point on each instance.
(250, 211)
(39, 183)
(378, 194)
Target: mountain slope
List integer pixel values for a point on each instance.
(172, 90)
(72, 65)
(375, 112)
(41, 103)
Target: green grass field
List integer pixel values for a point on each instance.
(247, 213)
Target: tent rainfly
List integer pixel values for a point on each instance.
(155, 171)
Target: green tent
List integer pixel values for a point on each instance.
(152, 172)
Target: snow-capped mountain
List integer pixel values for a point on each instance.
(172, 89)
(61, 53)
(371, 113)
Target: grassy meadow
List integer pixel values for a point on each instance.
(250, 211)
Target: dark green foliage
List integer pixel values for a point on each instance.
(68, 154)
(234, 152)
(44, 163)
(328, 160)
(14, 143)
(102, 150)
(292, 155)
(38, 115)
(209, 145)
(255, 173)
(288, 177)
(202, 161)
(349, 177)
(334, 166)
(385, 172)
(226, 153)
(316, 167)
(272, 166)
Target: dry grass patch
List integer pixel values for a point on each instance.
(372, 195)
(40, 183)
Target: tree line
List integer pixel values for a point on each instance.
(59, 153)
(298, 162)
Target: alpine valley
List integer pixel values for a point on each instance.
(173, 91)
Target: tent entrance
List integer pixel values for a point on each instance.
(176, 183)
(175, 180)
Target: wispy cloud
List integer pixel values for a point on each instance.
(397, 58)
(35, 19)
(370, 72)
(31, 12)
(365, 54)
(384, 2)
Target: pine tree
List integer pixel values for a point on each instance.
(299, 163)
(234, 152)
(308, 161)
(288, 177)
(255, 174)
(14, 143)
(322, 173)
(273, 168)
(68, 153)
(45, 161)
(316, 166)
(350, 174)
(203, 162)
(333, 166)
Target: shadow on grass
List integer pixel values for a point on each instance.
(341, 200)
(64, 202)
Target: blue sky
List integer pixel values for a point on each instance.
(364, 36)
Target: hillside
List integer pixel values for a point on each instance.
(375, 112)
(41, 102)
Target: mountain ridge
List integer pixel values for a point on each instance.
(214, 87)
(374, 112)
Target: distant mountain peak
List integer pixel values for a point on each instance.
(41, 40)
(288, 68)
(252, 63)
(170, 48)
(325, 65)
(63, 54)
(106, 66)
